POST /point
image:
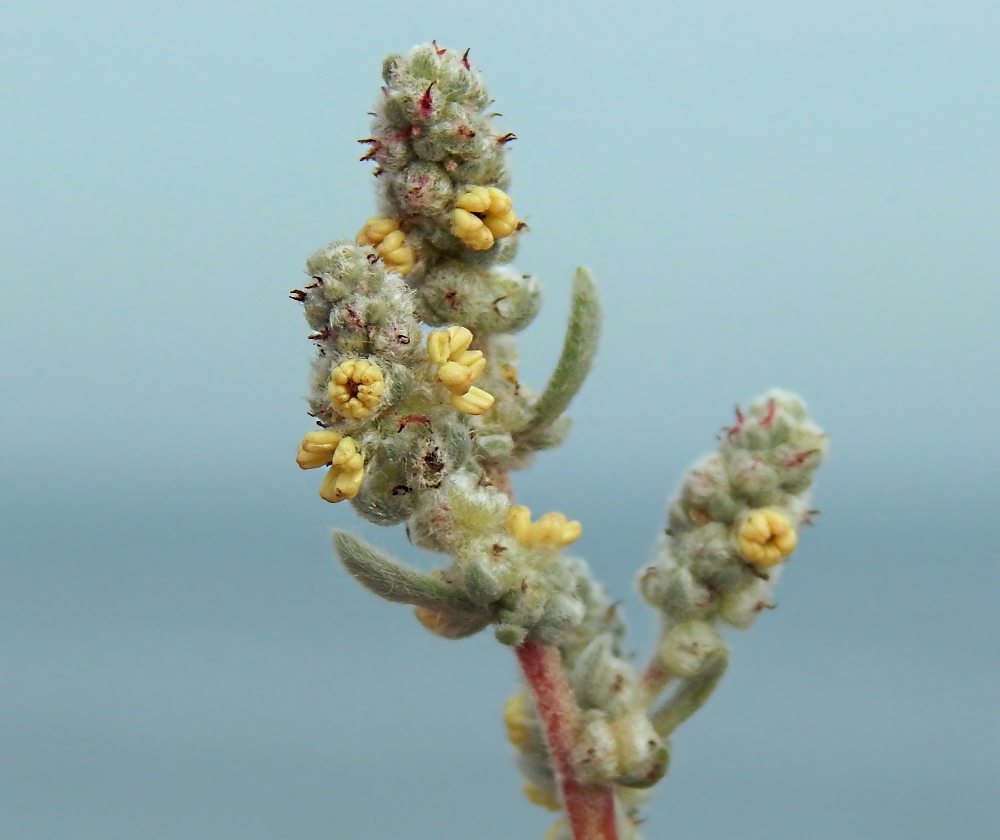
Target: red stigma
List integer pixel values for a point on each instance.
(735, 428)
(410, 419)
(425, 104)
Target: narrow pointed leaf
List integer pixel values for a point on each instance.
(395, 581)
(578, 350)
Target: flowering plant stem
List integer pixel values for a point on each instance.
(422, 416)
(590, 808)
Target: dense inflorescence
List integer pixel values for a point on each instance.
(736, 516)
(422, 425)
(421, 417)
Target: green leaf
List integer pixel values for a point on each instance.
(578, 350)
(691, 694)
(397, 582)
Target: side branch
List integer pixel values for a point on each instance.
(590, 808)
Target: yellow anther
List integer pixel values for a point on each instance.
(343, 479)
(459, 339)
(548, 528)
(765, 537)
(517, 719)
(356, 387)
(474, 361)
(519, 522)
(448, 345)
(469, 358)
(438, 345)
(375, 230)
(476, 401)
(464, 223)
(476, 200)
(501, 226)
(537, 795)
(500, 202)
(392, 241)
(552, 530)
(395, 253)
(509, 373)
(317, 448)
(401, 260)
(457, 378)
(471, 230)
(346, 450)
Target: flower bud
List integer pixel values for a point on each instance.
(685, 646)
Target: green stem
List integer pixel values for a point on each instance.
(691, 694)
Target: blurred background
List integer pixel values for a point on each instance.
(777, 193)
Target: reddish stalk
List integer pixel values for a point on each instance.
(590, 808)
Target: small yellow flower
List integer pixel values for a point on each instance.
(517, 719)
(537, 795)
(552, 530)
(765, 537)
(356, 387)
(384, 233)
(317, 448)
(458, 368)
(481, 216)
(347, 470)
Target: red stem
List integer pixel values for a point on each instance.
(590, 808)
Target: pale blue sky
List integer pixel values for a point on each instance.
(776, 193)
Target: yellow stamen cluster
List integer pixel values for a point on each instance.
(481, 216)
(390, 242)
(538, 795)
(356, 387)
(325, 446)
(458, 367)
(765, 537)
(552, 530)
(517, 719)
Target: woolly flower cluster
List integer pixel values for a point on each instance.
(421, 425)
(732, 523)
(445, 221)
